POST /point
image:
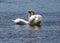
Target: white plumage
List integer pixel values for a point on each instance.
(20, 21)
(34, 18)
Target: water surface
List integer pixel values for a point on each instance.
(47, 32)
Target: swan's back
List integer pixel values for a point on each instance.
(20, 21)
(35, 17)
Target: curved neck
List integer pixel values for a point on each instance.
(30, 14)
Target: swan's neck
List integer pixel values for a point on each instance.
(31, 14)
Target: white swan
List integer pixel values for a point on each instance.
(20, 21)
(34, 19)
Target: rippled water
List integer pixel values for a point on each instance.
(47, 32)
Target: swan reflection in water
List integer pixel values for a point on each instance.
(34, 27)
(30, 27)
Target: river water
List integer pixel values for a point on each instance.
(47, 32)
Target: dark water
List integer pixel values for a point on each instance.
(48, 32)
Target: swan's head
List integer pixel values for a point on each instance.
(31, 12)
